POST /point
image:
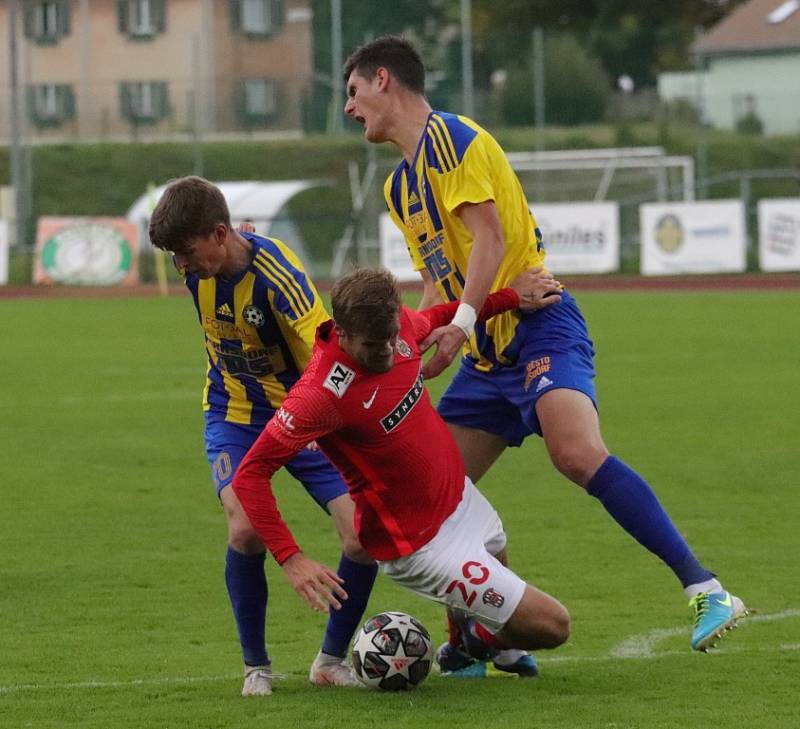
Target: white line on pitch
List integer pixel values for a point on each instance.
(664, 654)
(120, 684)
(643, 645)
(622, 651)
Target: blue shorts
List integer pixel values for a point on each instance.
(226, 444)
(551, 350)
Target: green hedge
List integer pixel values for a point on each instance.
(105, 179)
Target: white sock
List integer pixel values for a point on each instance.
(508, 657)
(712, 585)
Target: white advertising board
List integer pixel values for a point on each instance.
(394, 253)
(3, 253)
(696, 237)
(779, 234)
(580, 237)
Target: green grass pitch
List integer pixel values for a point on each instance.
(112, 604)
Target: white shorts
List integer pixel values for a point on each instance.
(457, 567)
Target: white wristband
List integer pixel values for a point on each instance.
(465, 318)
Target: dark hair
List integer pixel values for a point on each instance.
(366, 302)
(190, 207)
(389, 51)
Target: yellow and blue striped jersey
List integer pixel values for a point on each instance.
(458, 162)
(259, 330)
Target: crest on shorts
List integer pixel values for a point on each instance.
(339, 379)
(493, 597)
(402, 348)
(253, 315)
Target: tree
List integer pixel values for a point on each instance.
(576, 90)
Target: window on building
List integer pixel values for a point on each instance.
(257, 18)
(50, 104)
(47, 22)
(259, 100)
(141, 19)
(45, 19)
(144, 101)
(745, 114)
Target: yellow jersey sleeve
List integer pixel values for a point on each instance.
(472, 180)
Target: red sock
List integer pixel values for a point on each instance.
(453, 632)
(487, 637)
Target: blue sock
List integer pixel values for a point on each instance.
(247, 588)
(633, 505)
(358, 580)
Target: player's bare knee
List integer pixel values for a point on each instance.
(540, 621)
(545, 631)
(577, 461)
(245, 540)
(557, 628)
(241, 535)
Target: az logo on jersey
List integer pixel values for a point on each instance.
(339, 379)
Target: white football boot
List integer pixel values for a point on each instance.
(257, 681)
(332, 671)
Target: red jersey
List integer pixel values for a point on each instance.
(381, 431)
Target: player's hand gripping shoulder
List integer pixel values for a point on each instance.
(536, 289)
(317, 584)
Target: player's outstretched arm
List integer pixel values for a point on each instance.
(252, 484)
(532, 290)
(488, 249)
(317, 584)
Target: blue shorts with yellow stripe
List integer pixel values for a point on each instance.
(551, 350)
(227, 443)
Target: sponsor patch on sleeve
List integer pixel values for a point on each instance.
(339, 379)
(284, 420)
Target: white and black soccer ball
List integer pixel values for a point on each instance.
(253, 315)
(392, 651)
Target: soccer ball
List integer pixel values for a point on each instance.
(392, 651)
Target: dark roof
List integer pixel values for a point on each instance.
(747, 29)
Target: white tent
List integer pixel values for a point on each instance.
(262, 203)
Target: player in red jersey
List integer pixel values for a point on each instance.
(363, 400)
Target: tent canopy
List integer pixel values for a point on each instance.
(259, 202)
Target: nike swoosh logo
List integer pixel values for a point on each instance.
(368, 403)
(727, 602)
